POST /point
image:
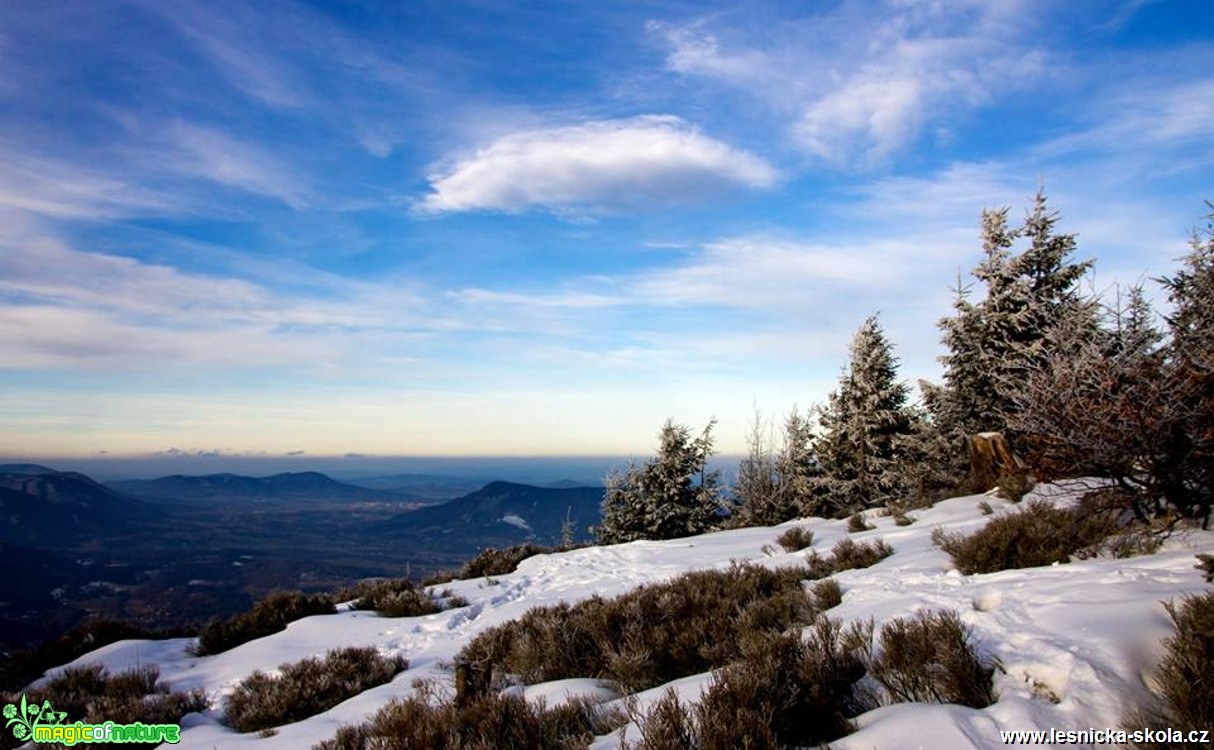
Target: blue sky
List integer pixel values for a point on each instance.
(483, 228)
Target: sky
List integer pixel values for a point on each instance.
(305, 229)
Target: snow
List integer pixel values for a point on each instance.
(1077, 642)
(517, 521)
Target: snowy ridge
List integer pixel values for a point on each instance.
(1078, 641)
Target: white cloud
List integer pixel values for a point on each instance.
(770, 274)
(236, 41)
(598, 166)
(60, 189)
(203, 152)
(563, 300)
(75, 310)
(860, 82)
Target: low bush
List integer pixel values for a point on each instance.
(1184, 677)
(1038, 534)
(857, 523)
(930, 658)
(24, 666)
(485, 723)
(826, 594)
(308, 687)
(397, 597)
(1205, 563)
(1014, 485)
(651, 635)
(491, 562)
(796, 539)
(785, 691)
(848, 555)
(93, 695)
(268, 616)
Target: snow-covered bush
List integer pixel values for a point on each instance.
(1039, 534)
(785, 691)
(796, 539)
(930, 658)
(1184, 675)
(486, 723)
(847, 555)
(268, 616)
(92, 694)
(650, 635)
(396, 597)
(307, 687)
(857, 523)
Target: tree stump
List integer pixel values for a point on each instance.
(471, 681)
(991, 461)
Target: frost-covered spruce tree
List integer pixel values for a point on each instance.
(1191, 291)
(997, 341)
(1043, 295)
(1190, 356)
(861, 444)
(673, 494)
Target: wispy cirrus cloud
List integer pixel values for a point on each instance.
(73, 310)
(844, 102)
(597, 166)
(196, 151)
(58, 188)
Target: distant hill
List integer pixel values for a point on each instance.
(497, 515)
(44, 508)
(425, 486)
(297, 486)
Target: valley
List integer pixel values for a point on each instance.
(175, 552)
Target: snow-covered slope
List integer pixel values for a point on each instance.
(1078, 641)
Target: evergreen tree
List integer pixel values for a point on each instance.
(672, 495)
(1125, 406)
(994, 344)
(1191, 291)
(864, 427)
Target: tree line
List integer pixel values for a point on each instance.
(1080, 385)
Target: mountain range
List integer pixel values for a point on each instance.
(41, 507)
(497, 515)
(179, 549)
(304, 486)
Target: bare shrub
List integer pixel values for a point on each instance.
(491, 562)
(21, 667)
(652, 634)
(848, 555)
(397, 597)
(930, 657)
(1039, 534)
(1014, 485)
(268, 616)
(826, 594)
(308, 687)
(1184, 674)
(796, 539)
(857, 523)
(785, 691)
(669, 725)
(1205, 563)
(92, 694)
(490, 721)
